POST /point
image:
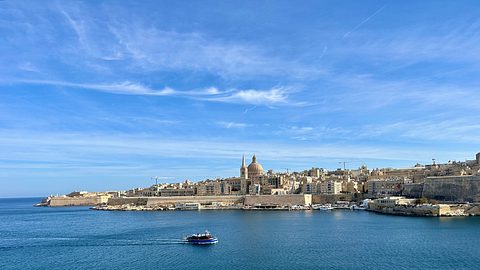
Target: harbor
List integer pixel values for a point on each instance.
(32, 238)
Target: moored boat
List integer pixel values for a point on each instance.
(356, 207)
(323, 207)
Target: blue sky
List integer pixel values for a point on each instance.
(104, 95)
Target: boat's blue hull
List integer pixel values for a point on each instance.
(203, 241)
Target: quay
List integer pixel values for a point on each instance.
(391, 205)
(247, 202)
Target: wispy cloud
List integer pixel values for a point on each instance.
(81, 38)
(124, 88)
(28, 66)
(310, 133)
(449, 41)
(86, 148)
(141, 46)
(78, 27)
(458, 130)
(371, 93)
(229, 125)
(302, 133)
(155, 49)
(274, 96)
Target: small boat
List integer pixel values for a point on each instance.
(323, 207)
(356, 207)
(362, 206)
(201, 239)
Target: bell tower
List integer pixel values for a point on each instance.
(244, 169)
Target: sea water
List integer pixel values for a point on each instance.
(80, 238)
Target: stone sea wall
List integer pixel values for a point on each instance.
(427, 209)
(282, 200)
(128, 200)
(59, 201)
(411, 210)
(333, 198)
(155, 201)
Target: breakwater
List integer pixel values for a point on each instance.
(60, 201)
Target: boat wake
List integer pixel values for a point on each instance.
(18, 243)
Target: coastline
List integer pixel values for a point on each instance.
(396, 206)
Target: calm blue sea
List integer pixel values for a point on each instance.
(79, 238)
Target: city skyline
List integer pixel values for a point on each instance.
(102, 96)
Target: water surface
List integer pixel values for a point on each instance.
(79, 238)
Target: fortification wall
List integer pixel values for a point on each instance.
(128, 200)
(77, 201)
(333, 198)
(282, 200)
(452, 188)
(414, 190)
(154, 201)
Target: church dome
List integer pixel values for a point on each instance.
(255, 169)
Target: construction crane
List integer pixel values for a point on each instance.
(344, 164)
(350, 161)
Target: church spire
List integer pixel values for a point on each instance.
(254, 159)
(244, 169)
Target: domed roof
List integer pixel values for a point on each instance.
(255, 167)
